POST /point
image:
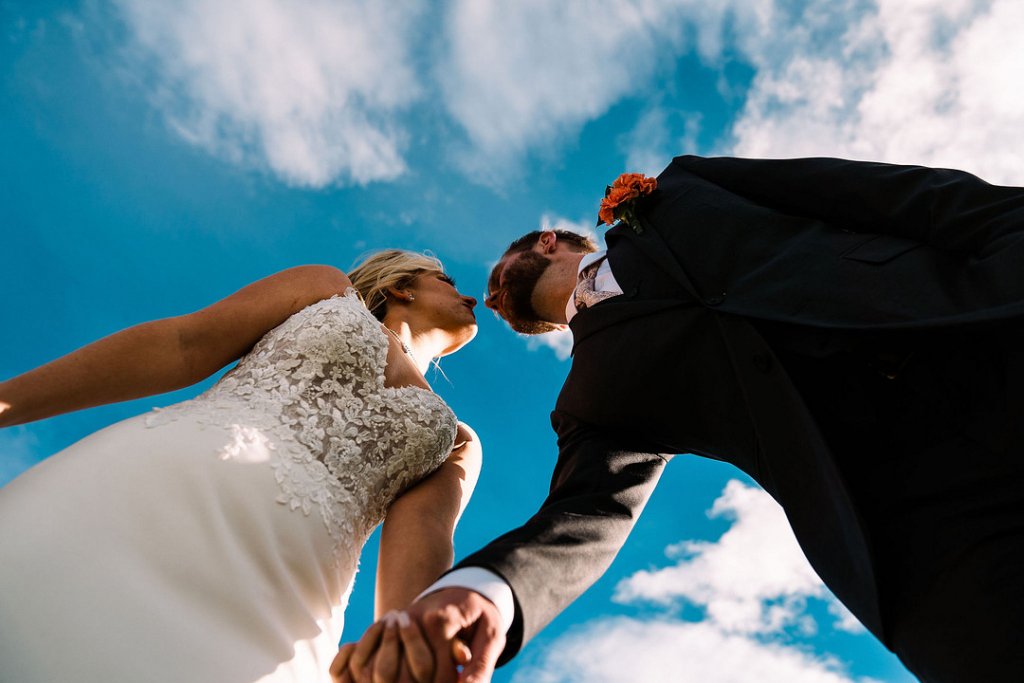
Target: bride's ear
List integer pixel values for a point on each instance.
(403, 295)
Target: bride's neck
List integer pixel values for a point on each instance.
(425, 344)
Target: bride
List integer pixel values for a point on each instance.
(217, 539)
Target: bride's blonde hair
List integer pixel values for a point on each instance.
(389, 268)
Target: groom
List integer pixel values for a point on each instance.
(849, 334)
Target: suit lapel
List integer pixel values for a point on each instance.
(653, 247)
(631, 265)
(612, 312)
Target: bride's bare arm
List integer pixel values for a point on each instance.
(415, 548)
(163, 355)
(416, 540)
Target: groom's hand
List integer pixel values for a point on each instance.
(394, 650)
(452, 612)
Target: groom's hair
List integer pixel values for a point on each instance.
(524, 270)
(575, 240)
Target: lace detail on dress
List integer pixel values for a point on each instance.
(311, 394)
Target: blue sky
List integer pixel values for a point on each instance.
(158, 156)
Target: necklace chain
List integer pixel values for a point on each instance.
(405, 347)
(408, 351)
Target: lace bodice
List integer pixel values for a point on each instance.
(312, 391)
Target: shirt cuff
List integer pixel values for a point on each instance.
(484, 582)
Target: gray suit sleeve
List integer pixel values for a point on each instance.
(597, 493)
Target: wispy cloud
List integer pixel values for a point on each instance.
(550, 221)
(524, 75)
(752, 586)
(931, 82)
(310, 90)
(559, 341)
(320, 91)
(754, 579)
(620, 650)
(647, 146)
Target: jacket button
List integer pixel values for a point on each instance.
(715, 299)
(763, 362)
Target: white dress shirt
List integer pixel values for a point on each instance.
(604, 282)
(484, 581)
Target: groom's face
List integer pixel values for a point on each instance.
(510, 291)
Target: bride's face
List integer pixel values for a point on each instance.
(445, 309)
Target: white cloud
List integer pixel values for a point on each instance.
(624, 650)
(752, 584)
(932, 82)
(309, 89)
(754, 579)
(646, 144)
(521, 74)
(317, 91)
(560, 342)
(18, 452)
(845, 621)
(583, 226)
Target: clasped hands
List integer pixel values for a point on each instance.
(427, 643)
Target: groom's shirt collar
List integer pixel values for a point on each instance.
(605, 281)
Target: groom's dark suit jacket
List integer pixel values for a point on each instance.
(687, 359)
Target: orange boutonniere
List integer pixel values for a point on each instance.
(620, 198)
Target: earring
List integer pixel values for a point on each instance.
(412, 297)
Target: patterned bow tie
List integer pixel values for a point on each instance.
(586, 295)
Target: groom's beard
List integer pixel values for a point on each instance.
(522, 276)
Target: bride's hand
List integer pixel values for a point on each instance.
(339, 667)
(355, 662)
(393, 650)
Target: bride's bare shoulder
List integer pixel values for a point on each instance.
(226, 329)
(280, 295)
(312, 281)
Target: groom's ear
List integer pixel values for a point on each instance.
(548, 242)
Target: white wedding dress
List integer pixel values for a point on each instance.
(216, 541)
